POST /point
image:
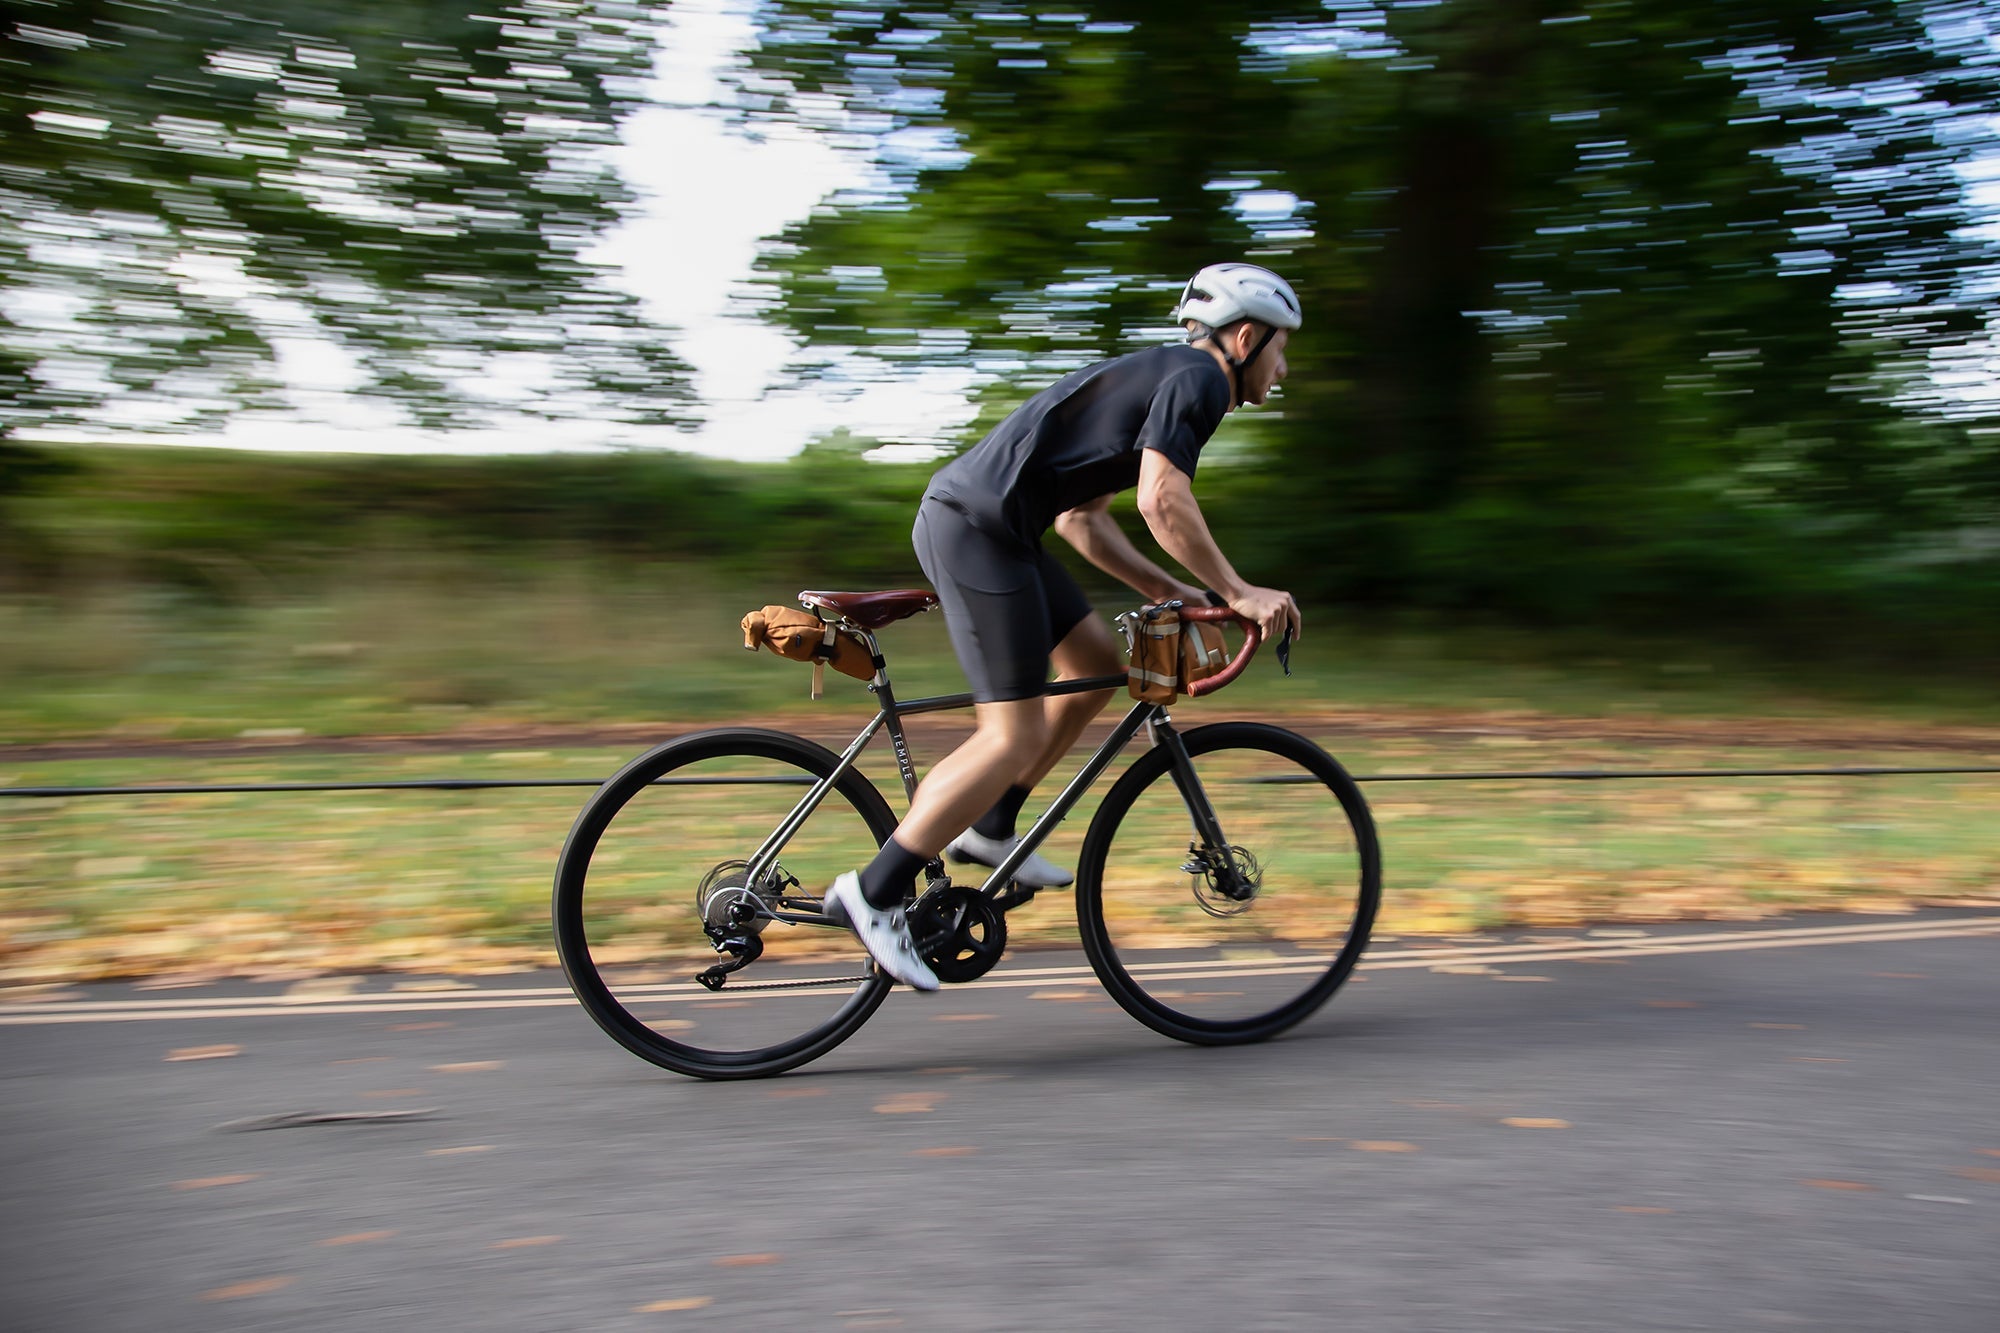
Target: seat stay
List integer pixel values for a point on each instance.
(767, 854)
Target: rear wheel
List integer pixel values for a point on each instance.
(1221, 941)
(656, 870)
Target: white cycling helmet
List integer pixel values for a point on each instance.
(1224, 293)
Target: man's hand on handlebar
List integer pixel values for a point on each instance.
(1272, 609)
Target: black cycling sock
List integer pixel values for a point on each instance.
(892, 875)
(999, 821)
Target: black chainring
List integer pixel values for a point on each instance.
(962, 934)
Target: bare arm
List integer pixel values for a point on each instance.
(1167, 503)
(1098, 538)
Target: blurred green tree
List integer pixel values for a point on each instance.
(188, 189)
(1602, 295)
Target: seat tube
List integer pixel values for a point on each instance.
(893, 721)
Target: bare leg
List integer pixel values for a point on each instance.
(1011, 737)
(1087, 650)
(1016, 742)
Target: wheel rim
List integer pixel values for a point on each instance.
(629, 907)
(1192, 955)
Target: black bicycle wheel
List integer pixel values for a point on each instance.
(669, 838)
(1236, 943)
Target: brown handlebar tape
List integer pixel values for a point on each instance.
(1253, 635)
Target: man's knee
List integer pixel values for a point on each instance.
(1017, 731)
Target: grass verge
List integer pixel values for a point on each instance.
(287, 885)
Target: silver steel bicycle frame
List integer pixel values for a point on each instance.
(890, 714)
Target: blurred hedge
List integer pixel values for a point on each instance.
(219, 526)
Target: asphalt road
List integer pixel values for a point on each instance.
(1791, 1125)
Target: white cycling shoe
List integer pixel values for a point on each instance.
(975, 848)
(884, 932)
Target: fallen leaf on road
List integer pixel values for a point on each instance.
(203, 1053)
(469, 1067)
(1985, 1173)
(909, 1103)
(745, 1260)
(254, 1287)
(677, 1303)
(1534, 1122)
(1061, 995)
(417, 1027)
(1381, 1145)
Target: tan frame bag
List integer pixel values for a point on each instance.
(1169, 654)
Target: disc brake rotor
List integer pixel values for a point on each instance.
(1225, 887)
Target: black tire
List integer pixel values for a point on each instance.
(1148, 932)
(626, 898)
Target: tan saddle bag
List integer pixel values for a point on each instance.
(804, 637)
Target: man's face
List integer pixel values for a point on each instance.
(1262, 375)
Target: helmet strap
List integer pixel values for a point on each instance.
(1236, 366)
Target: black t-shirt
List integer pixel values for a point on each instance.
(1081, 437)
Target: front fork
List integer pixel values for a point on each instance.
(1208, 850)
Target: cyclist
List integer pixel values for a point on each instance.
(1010, 608)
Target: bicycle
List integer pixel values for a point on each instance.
(704, 847)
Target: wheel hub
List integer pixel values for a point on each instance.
(726, 903)
(1224, 885)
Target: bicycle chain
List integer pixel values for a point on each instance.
(796, 985)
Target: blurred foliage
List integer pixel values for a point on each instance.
(226, 525)
(220, 528)
(184, 188)
(1614, 308)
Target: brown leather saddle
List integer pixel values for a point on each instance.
(871, 610)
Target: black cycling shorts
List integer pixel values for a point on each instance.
(1006, 606)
